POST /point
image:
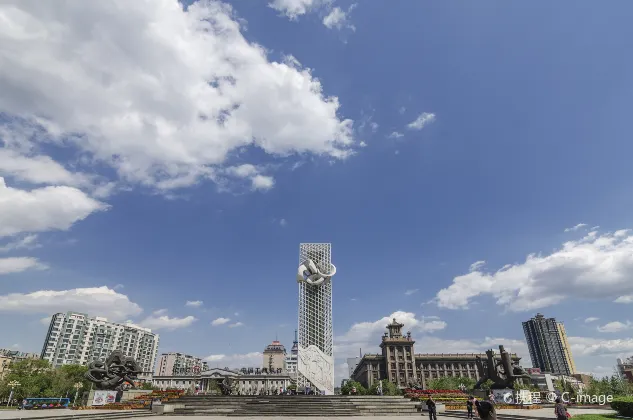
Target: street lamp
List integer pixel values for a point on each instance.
(12, 384)
(77, 386)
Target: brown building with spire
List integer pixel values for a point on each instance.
(274, 357)
(399, 364)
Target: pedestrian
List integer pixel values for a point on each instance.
(432, 409)
(492, 399)
(486, 410)
(560, 410)
(469, 406)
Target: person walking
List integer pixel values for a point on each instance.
(486, 410)
(432, 409)
(492, 399)
(469, 406)
(560, 410)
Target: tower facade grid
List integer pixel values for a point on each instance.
(315, 332)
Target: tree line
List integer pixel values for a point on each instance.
(37, 378)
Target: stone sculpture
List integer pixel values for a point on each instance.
(503, 373)
(226, 387)
(114, 373)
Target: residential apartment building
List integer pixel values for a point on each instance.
(625, 368)
(11, 356)
(76, 338)
(179, 364)
(17, 356)
(5, 361)
(548, 345)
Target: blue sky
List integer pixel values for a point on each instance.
(149, 160)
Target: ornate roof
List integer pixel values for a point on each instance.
(275, 347)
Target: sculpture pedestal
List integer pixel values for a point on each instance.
(130, 394)
(127, 395)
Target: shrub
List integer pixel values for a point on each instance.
(623, 406)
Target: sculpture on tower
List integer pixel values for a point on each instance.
(503, 373)
(315, 361)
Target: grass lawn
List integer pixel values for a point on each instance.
(595, 417)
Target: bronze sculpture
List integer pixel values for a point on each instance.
(503, 373)
(114, 373)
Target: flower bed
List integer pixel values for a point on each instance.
(444, 396)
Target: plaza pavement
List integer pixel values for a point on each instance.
(34, 414)
(545, 413)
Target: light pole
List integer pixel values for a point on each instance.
(12, 384)
(77, 386)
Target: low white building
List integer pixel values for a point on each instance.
(247, 383)
(546, 381)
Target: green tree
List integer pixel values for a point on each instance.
(388, 388)
(487, 385)
(450, 382)
(35, 377)
(65, 378)
(347, 388)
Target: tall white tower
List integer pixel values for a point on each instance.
(315, 364)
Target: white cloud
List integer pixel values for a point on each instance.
(253, 359)
(283, 222)
(575, 228)
(362, 144)
(237, 324)
(614, 327)
(40, 170)
(411, 291)
(253, 173)
(101, 301)
(164, 322)
(338, 18)
(194, 303)
(118, 287)
(19, 264)
(395, 135)
(589, 346)
(220, 321)
(593, 267)
(26, 242)
(591, 319)
(402, 110)
(295, 8)
(160, 312)
(46, 320)
(179, 91)
(370, 332)
(43, 209)
(262, 182)
(424, 119)
(476, 266)
(374, 126)
(624, 299)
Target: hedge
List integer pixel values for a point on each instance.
(623, 405)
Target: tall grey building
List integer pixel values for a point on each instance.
(76, 338)
(548, 346)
